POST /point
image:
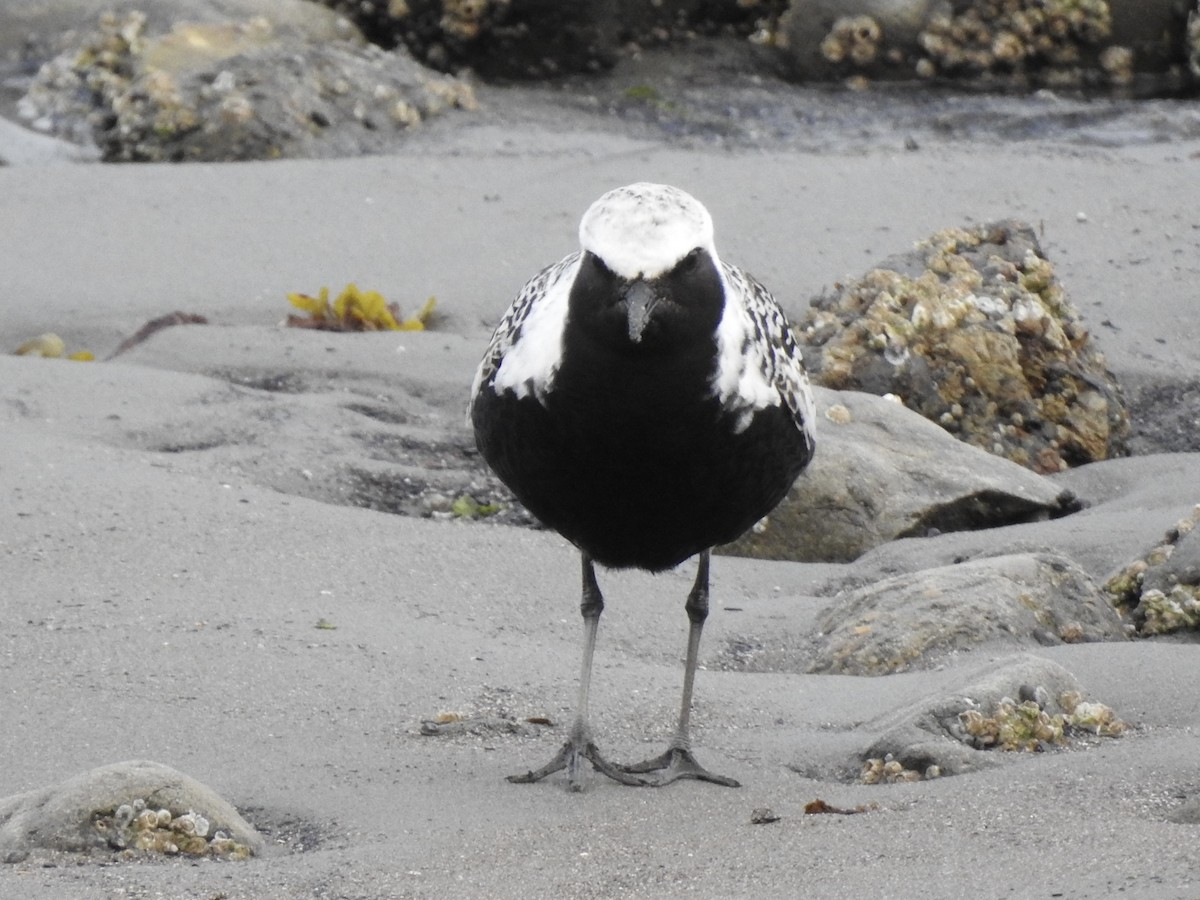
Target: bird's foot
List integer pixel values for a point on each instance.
(673, 765)
(571, 757)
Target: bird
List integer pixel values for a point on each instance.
(648, 402)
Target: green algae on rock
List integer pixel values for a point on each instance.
(973, 330)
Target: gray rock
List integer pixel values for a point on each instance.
(21, 146)
(232, 90)
(32, 23)
(883, 472)
(919, 620)
(1182, 567)
(64, 818)
(930, 732)
(1127, 505)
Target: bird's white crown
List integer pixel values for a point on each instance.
(644, 229)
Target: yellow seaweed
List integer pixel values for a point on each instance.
(419, 321)
(51, 346)
(317, 306)
(367, 309)
(356, 310)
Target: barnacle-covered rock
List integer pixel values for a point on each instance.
(833, 38)
(1088, 716)
(1012, 726)
(233, 90)
(1033, 725)
(973, 330)
(889, 770)
(123, 808)
(1160, 591)
(1006, 42)
(136, 826)
(982, 36)
(1018, 704)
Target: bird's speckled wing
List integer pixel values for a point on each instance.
(548, 287)
(770, 347)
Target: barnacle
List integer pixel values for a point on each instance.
(1084, 715)
(136, 826)
(1013, 726)
(356, 310)
(889, 770)
(1156, 610)
(856, 38)
(1009, 36)
(1163, 612)
(1029, 725)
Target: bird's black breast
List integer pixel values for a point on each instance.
(632, 459)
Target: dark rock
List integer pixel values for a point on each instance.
(521, 39)
(1059, 43)
(882, 472)
(511, 39)
(973, 330)
(822, 39)
(919, 620)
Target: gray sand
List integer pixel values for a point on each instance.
(164, 605)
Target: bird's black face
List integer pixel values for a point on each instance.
(678, 307)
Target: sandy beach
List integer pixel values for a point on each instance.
(171, 591)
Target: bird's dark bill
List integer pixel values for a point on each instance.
(640, 301)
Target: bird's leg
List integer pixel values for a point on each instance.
(678, 762)
(579, 745)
